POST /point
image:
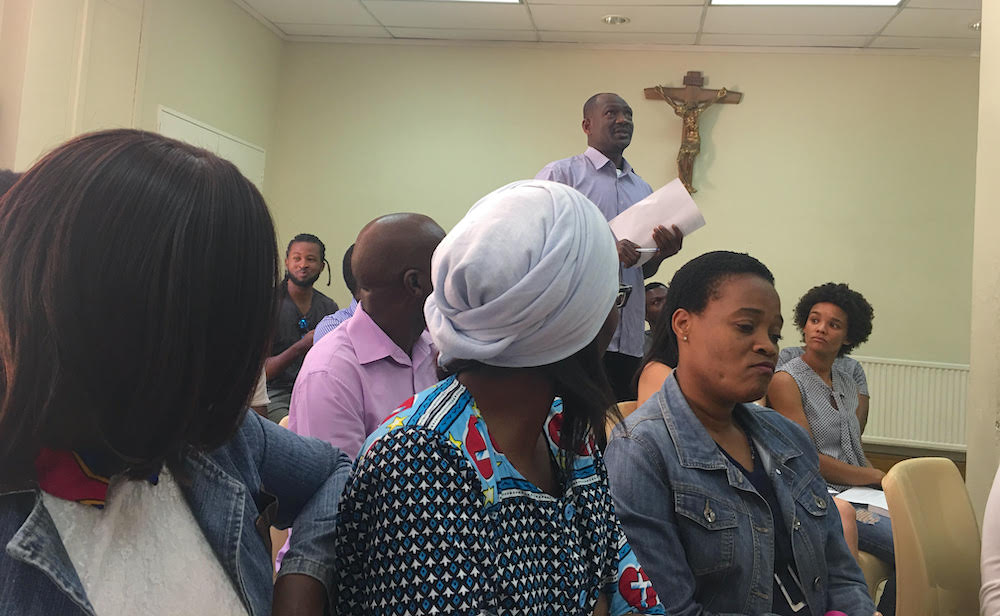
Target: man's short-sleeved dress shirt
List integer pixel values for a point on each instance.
(613, 191)
(353, 378)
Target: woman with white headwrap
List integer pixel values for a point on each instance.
(486, 494)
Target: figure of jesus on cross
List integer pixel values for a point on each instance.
(688, 103)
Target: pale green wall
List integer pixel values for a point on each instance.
(81, 65)
(210, 60)
(841, 167)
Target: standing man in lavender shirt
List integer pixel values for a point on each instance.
(605, 177)
(332, 321)
(353, 378)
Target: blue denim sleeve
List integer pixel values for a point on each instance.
(307, 476)
(644, 503)
(846, 588)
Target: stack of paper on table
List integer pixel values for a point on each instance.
(670, 205)
(875, 499)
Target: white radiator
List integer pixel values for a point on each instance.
(915, 403)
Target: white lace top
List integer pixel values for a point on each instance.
(144, 553)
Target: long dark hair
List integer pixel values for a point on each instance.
(587, 398)
(692, 286)
(137, 293)
(582, 384)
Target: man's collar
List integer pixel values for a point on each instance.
(371, 343)
(598, 159)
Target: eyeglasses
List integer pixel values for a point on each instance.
(303, 326)
(624, 292)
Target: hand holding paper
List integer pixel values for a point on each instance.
(670, 205)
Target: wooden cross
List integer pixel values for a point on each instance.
(688, 103)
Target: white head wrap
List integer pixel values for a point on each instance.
(525, 279)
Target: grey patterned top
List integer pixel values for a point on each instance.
(835, 428)
(848, 364)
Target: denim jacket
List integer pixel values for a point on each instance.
(702, 532)
(233, 493)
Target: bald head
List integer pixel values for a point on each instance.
(392, 244)
(392, 265)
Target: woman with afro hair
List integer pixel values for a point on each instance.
(821, 395)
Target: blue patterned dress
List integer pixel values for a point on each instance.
(435, 520)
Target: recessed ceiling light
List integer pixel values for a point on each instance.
(615, 20)
(976, 26)
(806, 2)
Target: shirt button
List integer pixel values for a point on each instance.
(569, 511)
(820, 502)
(777, 471)
(816, 583)
(709, 514)
(796, 525)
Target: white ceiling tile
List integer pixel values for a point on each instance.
(463, 34)
(782, 40)
(344, 12)
(415, 14)
(796, 20)
(634, 38)
(643, 18)
(333, 30)
(945, 4)
(933, 22)
(913, 42)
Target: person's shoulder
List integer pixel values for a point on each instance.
(787, 354)
(433, 411)
(644, 423)
(781, 425)
(848, 364)
(561, 170)
(794, 367)
(331, 352)
(329, 306)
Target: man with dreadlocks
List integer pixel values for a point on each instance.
(301, 309)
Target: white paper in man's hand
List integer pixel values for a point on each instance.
(670, 205)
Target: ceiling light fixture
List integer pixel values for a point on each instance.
(615, 20)
(805, 2)
(976, 26)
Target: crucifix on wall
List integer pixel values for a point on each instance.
(688, 103)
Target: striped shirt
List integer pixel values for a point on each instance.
(831, 412)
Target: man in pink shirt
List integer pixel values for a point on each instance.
(355, 376)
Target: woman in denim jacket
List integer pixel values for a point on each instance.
(137, 294)
(722, 500)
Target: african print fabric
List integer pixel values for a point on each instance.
(435, 520)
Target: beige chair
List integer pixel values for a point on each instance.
(936, 538)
